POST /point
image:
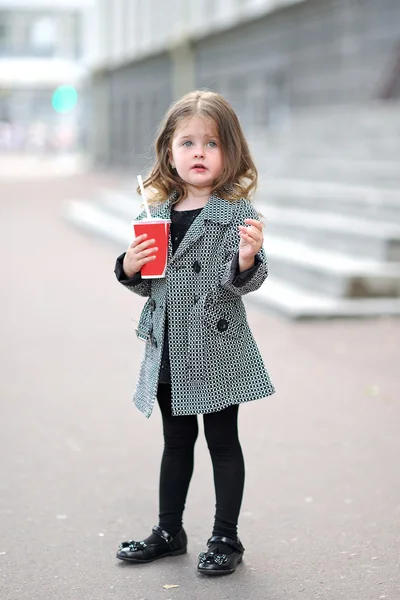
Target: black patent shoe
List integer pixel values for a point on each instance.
(213, 562)
(140, 552)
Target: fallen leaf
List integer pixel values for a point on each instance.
(169, 586)
(372, 390)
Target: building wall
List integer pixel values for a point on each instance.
(134, 29)
(128, 104)
(311, 54)
(314, 54)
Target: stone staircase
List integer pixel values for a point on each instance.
(331, 204)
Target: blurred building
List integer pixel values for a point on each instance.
(316, 85)
(42, 46)
(270, 58)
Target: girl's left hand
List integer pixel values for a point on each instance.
(251, 239)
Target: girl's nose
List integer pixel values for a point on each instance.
(198, 153)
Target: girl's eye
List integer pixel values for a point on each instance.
(188, 143)
(212, 144)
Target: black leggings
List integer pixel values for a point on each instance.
(180, 434)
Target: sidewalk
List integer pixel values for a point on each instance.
(20, 166)
(320, 516)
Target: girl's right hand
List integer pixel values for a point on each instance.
(140, 252)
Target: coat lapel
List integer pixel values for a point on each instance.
(217, 210)
(162, 211)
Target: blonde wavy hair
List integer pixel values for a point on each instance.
(239, 175)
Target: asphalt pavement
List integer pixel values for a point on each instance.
(80, 464)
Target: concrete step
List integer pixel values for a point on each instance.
(315, 272)
(362, 237)
(370, 132)
(292, 302)
(92, 218)
(375, 120)
(124, 203)
(331, 273)
(381, 150)
(378, 173)
(276, 295)
(332, 231)
(267, 145)
(366, 201)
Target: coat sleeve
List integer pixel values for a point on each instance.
(136, 283)
(248, 281)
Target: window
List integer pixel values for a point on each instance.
(43, 32)
(4, 33)
(35, 34)
(76, 35)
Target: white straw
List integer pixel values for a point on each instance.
(140, 180)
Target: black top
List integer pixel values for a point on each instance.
(181, 220)
(180, 223)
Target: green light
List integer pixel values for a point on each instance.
(64, 99)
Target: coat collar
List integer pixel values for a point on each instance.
(217, 210)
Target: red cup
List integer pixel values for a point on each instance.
(157, 229)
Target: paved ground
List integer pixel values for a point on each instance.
(321, 513)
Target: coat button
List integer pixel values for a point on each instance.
(152, 304)
(196, 266)
(222, 325)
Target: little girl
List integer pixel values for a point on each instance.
(200, 355)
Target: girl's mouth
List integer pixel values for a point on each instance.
(199, 168)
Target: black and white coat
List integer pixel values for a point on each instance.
(215, 361)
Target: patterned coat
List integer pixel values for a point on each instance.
(214, 358)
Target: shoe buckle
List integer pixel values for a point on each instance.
(210, 557)
(136, 546)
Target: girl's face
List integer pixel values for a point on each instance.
(196, 153)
